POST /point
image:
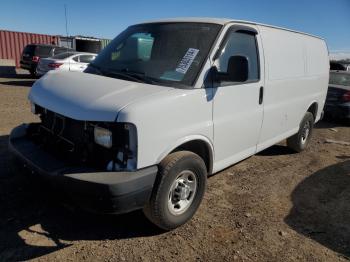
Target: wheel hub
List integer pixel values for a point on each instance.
(182, 192)
(305, 132)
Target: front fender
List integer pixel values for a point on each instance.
(185, 140)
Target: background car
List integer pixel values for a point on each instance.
(339, 66)
(338, 96)
(32, 54)
(68, 61)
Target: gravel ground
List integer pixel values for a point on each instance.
(275, 206)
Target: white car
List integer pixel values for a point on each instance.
(158, 111)
(67, 61)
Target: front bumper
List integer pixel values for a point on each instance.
(104, 192)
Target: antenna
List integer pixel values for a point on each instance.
(65, 15)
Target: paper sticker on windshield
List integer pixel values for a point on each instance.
(187, 60)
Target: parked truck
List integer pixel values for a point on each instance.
(167, 104)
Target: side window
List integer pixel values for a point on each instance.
(86, 58)
(243, 44)
(76, 59)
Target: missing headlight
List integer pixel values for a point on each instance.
(126, 155)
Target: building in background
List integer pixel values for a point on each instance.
(105, 42)
(83, 43)
(12, 44)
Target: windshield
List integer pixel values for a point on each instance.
(63, 55)
(162, 53)
(339, 79)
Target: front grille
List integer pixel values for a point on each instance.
(73, 132)
(70, 140)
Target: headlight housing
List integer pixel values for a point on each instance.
(103, 137)
(126, 149)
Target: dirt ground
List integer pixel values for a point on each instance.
(275, 206)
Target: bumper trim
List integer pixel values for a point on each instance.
(106, 192)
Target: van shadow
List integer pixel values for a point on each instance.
(321, 207)
(33, 223)
(276, 150)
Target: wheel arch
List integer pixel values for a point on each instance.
(199, 145)
(313, 109)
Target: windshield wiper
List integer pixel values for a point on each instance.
(138, 75)
(119, 74)
(125, 73)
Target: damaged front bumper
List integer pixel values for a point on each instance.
(91, 189)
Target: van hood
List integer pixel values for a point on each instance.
(88, 97)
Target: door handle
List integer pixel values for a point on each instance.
(261, 95)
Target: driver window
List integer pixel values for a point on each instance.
(243, 44)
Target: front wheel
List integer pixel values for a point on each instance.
(300, 140)
(178, 190)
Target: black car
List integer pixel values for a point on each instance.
(338, 96)
(337, 66)
(32, 53)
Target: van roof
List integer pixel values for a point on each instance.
(221, 21)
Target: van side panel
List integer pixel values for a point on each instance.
(317, 70)
(296, 76)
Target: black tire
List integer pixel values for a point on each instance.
(32, 73)
(300, 140)
(157, 209)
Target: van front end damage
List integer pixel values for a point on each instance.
(63, 151)
(103, 145)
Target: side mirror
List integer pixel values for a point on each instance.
(237, 70)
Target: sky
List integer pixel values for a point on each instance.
(329, 19)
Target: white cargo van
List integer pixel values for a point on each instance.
(168, 103)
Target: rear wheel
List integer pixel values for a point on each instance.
(299, 141)
(178, 190)
(32, 72)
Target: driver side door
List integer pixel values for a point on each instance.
(238, 106)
